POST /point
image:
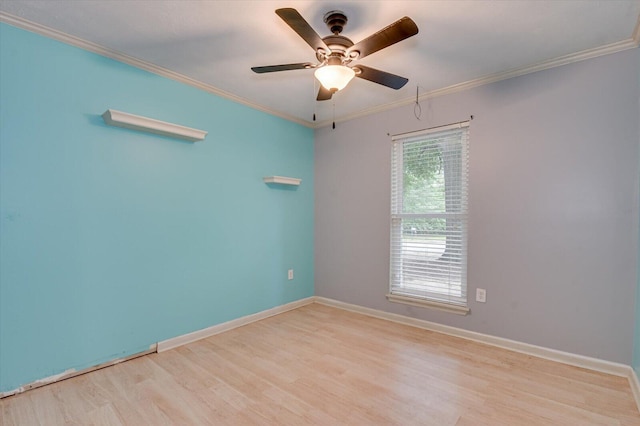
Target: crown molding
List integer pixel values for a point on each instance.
(36, 28)
(16, 21)
(630, 43)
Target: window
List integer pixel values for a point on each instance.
(429, 218)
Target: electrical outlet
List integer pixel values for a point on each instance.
(290, 274)
(481, 295)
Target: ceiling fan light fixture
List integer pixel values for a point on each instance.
(334, 77)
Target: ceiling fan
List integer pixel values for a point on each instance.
(336, 52)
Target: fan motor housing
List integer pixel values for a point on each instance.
(336, 21)
(338, 45)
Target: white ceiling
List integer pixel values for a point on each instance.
(216, 43)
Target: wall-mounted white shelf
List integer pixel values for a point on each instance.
(136, 122)
(282, 180)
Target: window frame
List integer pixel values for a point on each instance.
(398, 291)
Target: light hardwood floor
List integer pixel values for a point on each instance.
(325, 366)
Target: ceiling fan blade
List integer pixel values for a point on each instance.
(302, 27)
(401, 29)
(283, 67)
(324, 94)
(381, 77)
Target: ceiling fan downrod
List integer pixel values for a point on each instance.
(335, 20)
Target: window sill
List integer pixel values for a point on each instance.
(413, 301)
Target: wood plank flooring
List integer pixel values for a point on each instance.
(324, 366)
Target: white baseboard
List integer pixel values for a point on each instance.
(600, 365)
(635, 386)
(166, 345)
(72, 372)
(613, 368)
(174, 342)
(595, 364)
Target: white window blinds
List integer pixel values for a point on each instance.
(429, 215)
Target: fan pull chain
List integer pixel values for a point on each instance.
(417, 109)
(334, 113)
(313, 94)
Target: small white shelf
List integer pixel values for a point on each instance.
(282, 180)
(136, 122)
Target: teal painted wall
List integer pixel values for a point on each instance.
(112, 239)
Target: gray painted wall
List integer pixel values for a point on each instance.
(553, 224)
(636, 336)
